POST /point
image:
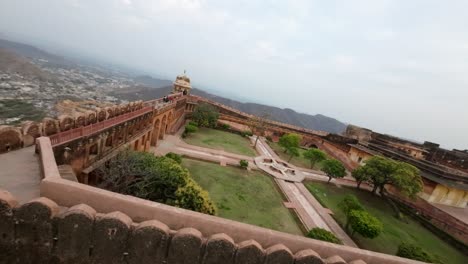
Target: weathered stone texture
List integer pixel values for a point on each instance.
(37, 232)
(249, 252)
(278, 254)
(307, 256)
(185, 247)
(74, 232)
(34, 230)
(148, 243)
(110, 238)
(219, 249)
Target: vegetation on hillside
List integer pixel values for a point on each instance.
(21, 109)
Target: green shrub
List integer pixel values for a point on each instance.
(193, 123)
(365, 224)
(243, 164)
(324, 235)
(225, 126)
(176, 157)
(411, 251)
(159, 179)
(190, 129)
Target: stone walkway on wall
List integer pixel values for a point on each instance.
(20, 174)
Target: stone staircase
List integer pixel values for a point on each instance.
(66, 172)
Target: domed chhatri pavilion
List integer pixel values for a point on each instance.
(182, 84)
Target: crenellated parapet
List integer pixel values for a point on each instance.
(15, 137)
(42, 232)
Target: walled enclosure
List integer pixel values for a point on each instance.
(70, 194)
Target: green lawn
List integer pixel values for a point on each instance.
(395, 231)
(246, 196)
(298, 161)
(221, 140)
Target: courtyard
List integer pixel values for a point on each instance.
(247, 196)
(221, 140)
(395, 231)
(297, 161)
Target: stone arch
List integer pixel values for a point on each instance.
(66, 122)
(10, 138)
(169, 121)
(154, 138)
(163, 129)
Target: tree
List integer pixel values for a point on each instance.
(403, 176)
(348, 204)
(159, 179)
(314, 155)
(258, 125)
(243, 164)
(205, 115)
(364, 224)
(411, 251)
(324, 235)
(360, 175)
(333, 168)
(290, 143)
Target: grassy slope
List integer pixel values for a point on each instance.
(298, 161)
(395, 231)
(246, 196)
(221, 140)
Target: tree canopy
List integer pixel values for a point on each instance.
(314, 155)
(365, 224)
(333, 168)
(361, 175)
(290, 143)
(205, 115)
(348, 204)
(380, 171)
(324, 235)
(159, 179)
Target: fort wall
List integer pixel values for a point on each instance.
(205, 227)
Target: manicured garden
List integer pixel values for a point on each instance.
(395, 231)
(221, 140)
(299, 161)
(246, 196)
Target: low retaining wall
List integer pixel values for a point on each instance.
(67, 193)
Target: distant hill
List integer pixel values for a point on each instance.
(32, 52)
(152, 82)
(317, 122)
(13, 63)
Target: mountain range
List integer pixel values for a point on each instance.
(150, 88)
(289, 116)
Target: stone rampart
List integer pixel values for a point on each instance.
(198, 237)
(42, 232)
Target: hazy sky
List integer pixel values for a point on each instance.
(397, 67)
